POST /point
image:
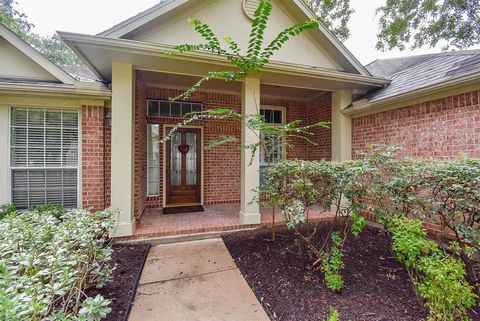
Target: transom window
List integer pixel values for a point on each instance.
(44, 145)
(167, 108)
(272, 116)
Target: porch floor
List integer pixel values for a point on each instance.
(215, 218)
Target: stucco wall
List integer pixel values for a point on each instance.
(440, 129)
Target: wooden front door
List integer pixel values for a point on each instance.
(183, 167)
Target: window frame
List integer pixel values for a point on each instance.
(10, 169)
(159, 160)
(283, 109)
(181, 103)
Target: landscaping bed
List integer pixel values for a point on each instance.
(128, 260)
(377, 286)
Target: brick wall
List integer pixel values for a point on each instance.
(93, 169)
(320, 109)
(140, 178)
(222, 163)
(440, 129)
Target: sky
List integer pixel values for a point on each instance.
(79, 16)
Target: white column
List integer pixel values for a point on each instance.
(341, 126)
(341, 131)
(123, 120)
(250, 176)
(4, 169)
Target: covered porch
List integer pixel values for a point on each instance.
(140, 72)
(215, 218)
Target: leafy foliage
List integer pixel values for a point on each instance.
(444, 193)
(297, 185)
(332, 263)
(244, 63)
(428, 22)
(335, 14)
(333, 315)
(14, 19)
(47, 264)
(438, 277)
(7, 209)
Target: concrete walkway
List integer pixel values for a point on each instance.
(194, 281)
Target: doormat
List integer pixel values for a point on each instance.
(183, 209)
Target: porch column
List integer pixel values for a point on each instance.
(250, 176)
(123, 117)
(341, 126)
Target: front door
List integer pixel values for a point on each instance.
(183, 167)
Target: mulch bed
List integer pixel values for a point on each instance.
(377, 287)
(129, 260)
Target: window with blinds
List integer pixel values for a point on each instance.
(44, 146)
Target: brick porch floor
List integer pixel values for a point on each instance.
(215, 218)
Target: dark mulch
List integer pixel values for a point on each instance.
(129, 260)
(377, 288)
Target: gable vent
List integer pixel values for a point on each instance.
(249, 7)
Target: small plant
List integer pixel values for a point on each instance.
(7, 209)
(333, 315)
(438, 277)
(332, 264)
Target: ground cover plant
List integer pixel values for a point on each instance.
(49, 258)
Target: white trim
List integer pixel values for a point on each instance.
(138, 20)
(49, 89)
(164, 163)
(33, 54)
(283, 109)
(148, 168)
(364, 105)
(158, 50)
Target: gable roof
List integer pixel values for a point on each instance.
(35, 56)
(424, 71)
(129, 26)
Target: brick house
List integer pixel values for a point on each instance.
(89, 136)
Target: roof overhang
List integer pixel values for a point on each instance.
(442, 89)
(298, 8)
(99, 53)
(54, 90)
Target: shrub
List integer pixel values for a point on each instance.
(47, 264)
(7, 209)
(297, 185)
(56, 211)
(438, 277)
(445, 193)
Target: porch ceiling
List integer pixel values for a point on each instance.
(166, 80)
(100, 52)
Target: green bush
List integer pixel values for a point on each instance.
(7, 209)
(439, 278)
(441, 192)
(47, 264)
(56, 211)
(297, 185)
